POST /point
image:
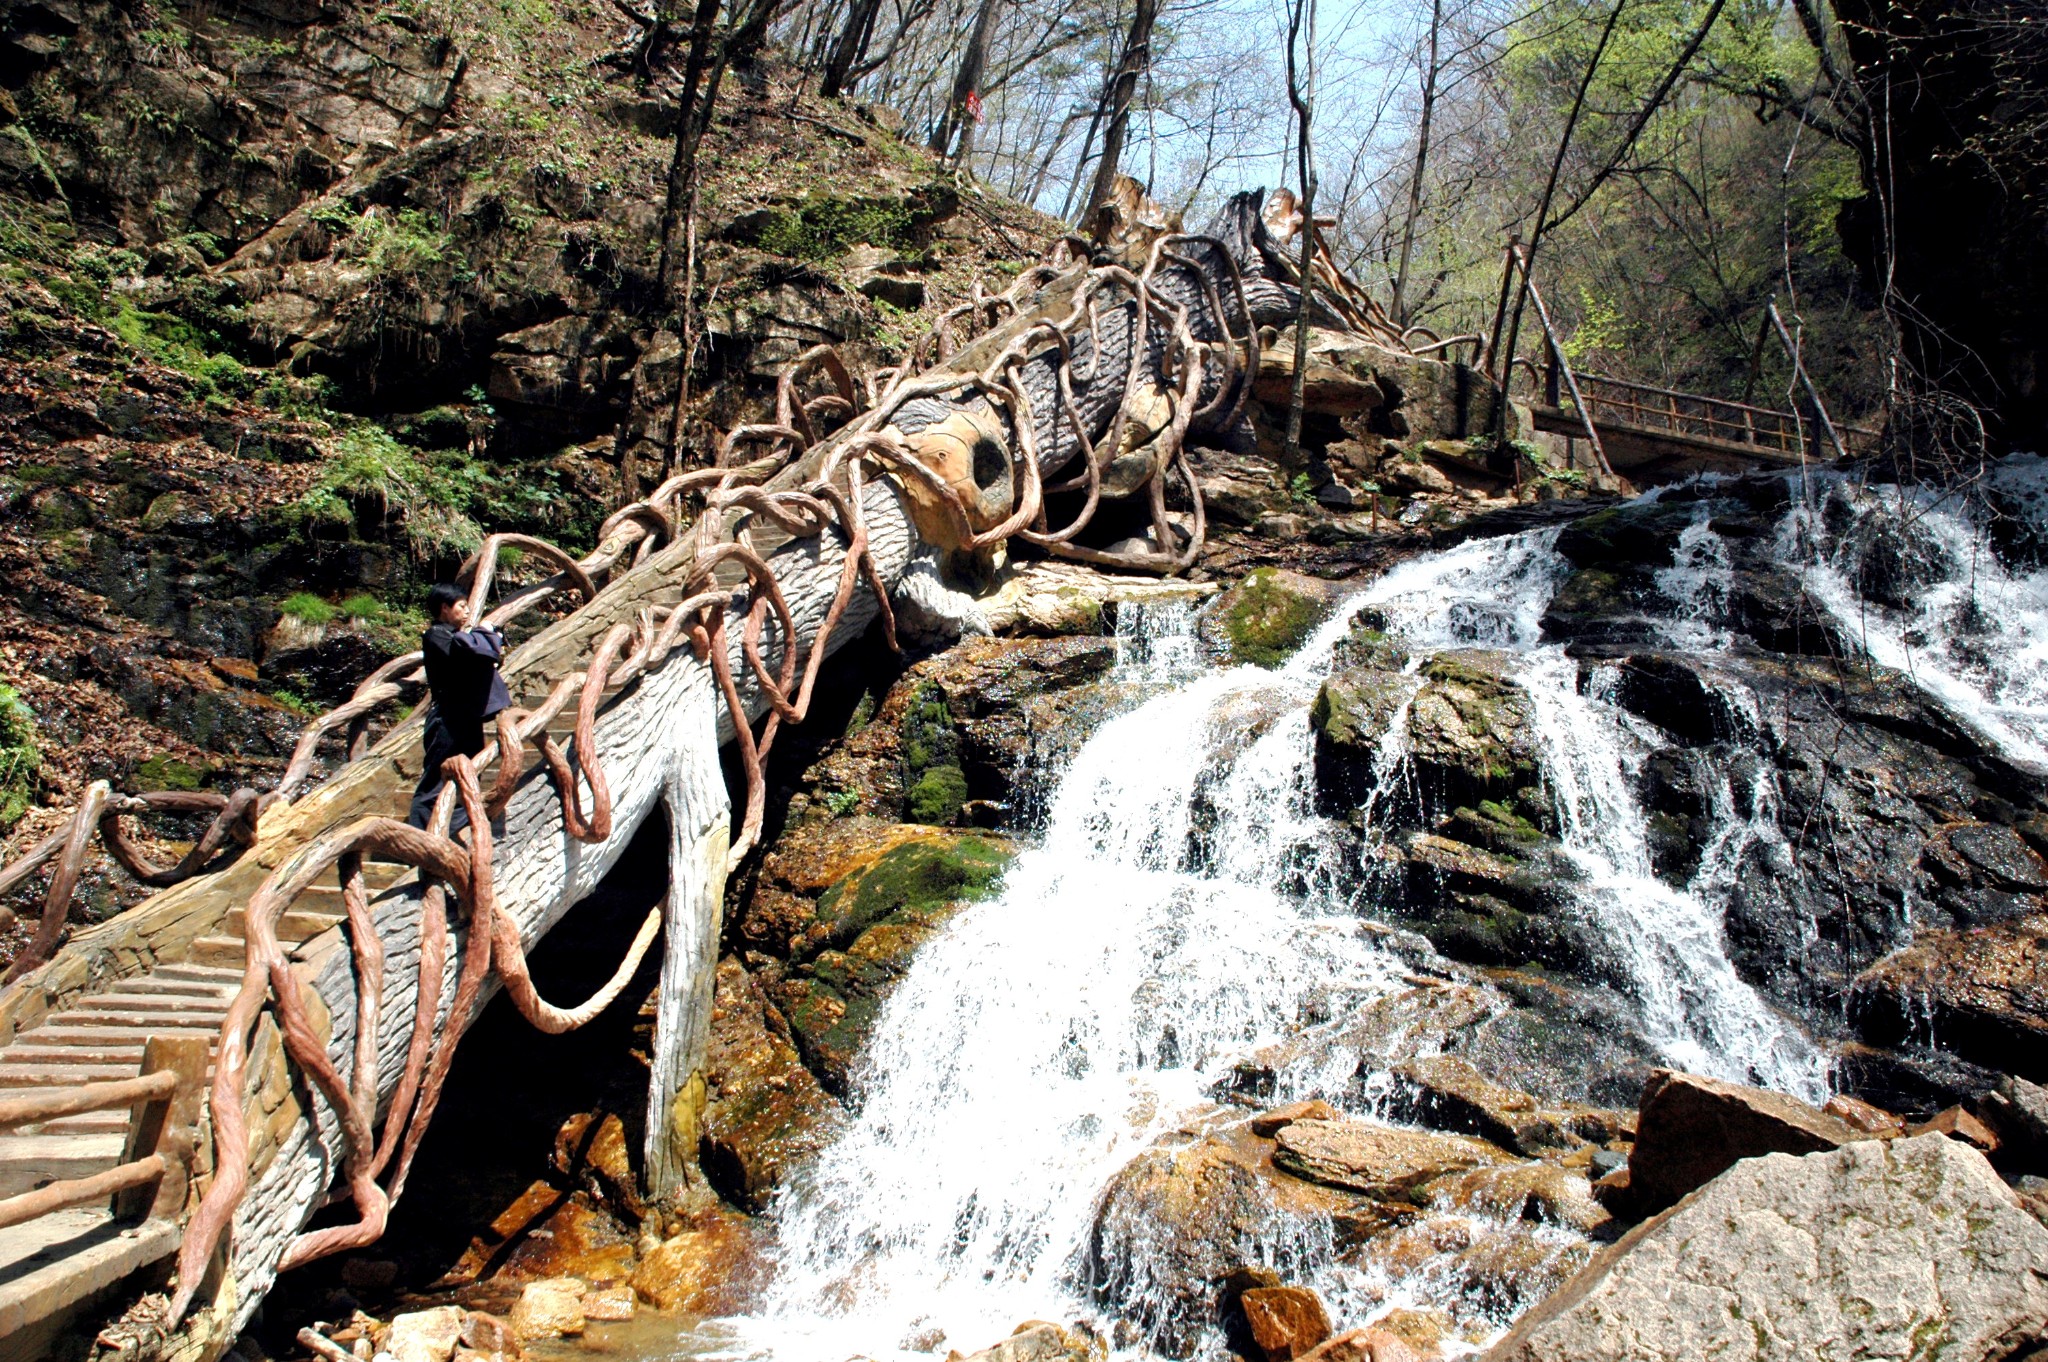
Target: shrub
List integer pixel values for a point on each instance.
(308, 608)
(20, 758)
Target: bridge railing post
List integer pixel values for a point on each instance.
(165, 1125)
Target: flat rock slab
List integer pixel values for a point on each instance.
(1909, 1249)
(1380, 1161)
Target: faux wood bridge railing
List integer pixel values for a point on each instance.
(354, 974)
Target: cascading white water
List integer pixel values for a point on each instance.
(1692, 1006)
(1055, 1031)
(1973, 632)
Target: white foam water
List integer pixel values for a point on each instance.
(1058, 1029)
(1974, 633)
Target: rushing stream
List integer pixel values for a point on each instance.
(1184, 905)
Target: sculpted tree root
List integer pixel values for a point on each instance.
(1138, 358)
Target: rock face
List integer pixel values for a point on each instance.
(1911, 1248)
(1983, 992)
(1689, 1129)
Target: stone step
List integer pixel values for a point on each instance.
(158, 1004)
(170, 990)
(31, 1161)
(86, 1123)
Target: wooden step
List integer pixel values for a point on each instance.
(85, 1123)
(150, 986)
(294, 926)
(31, 1161)
(220, 976)
(66, 1031)
(223, 951)
(158, 1004)
(65, 1076)
(34, 1049)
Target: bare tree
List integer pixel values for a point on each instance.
(961, 107)
(1301, 93)
(1117, 96)
(1431, 69)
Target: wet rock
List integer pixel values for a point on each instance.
(1367, 1345)
(1351, 714)
(1380, 1161)
(1857, 1252)
(1984, 993)
(1039, 1341)
(1265, 617)
(549, 1309)
(765, 1113)
(714, 1268)
(1482, 1269)
(1871, 1120)
(1637, 533)
(1178, 1221)
(559, 1236)
(609, 1305)
(1267, 1124)
(1541, 1193)
(592, 1148)
(1285, 1322)
(425, 1335)
(1446, 1092)
(1689, 1129)
(868, 927)
(2018, 1112)
(1958, 1124)
(1471, 730)
(490, 1336)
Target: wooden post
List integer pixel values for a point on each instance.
(168, 1126)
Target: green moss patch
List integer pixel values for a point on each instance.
(825, 228)
(20, 758)
(1267, 616)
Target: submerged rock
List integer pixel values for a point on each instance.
(548, 1309)
(1907, 1248)
(1285, 1322)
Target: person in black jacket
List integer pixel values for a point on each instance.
(467, 689)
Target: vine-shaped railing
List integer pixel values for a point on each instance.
(864, 444)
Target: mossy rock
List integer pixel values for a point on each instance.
(935, 786)
(168, 773)
(938, 796)
(868, 928)
(1471, 732)
(823, 227)
(1264, 618)
(1369, 645)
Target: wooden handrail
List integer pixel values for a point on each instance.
(52, 1103)
(155, 1169)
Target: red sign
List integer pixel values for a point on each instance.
(974, 105)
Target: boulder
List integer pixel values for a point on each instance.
(1364, 1345)
(1380, 1161)
(764, 1113)
(1265, 617)
(610, 1305)
(1285, 1322)
(2018, 1112)
(1541, 1193)
(550, 1309)
(425, 1335)
(1179, 1222)
(1895, 1249)
(1471, 732)
(1690, 1128)
(1958, 1124)
(491, 1337)
(712, 1268)
(1351, 714)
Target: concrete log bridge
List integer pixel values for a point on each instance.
(1097, 367)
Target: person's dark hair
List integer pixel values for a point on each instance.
(443, 595)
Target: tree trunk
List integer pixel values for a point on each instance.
(860, 26)
(1429, 75)
(1301, 94)
(957, 118)
(1137, 59)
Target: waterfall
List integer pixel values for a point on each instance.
(1055, 1031)
(1912, 576)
